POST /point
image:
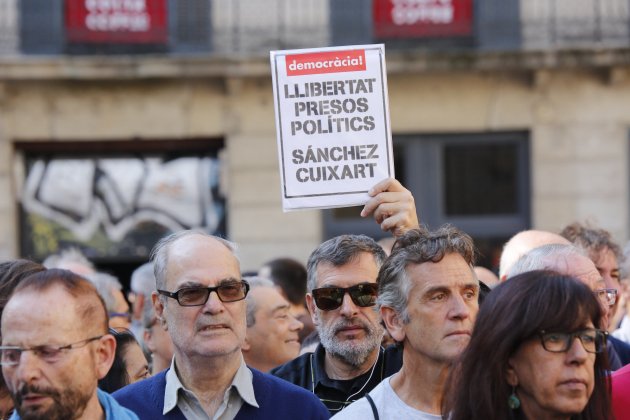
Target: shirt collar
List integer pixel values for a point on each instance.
(242, 382)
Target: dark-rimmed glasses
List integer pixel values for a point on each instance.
(608, 296)
(592, 339)
(330, 298)
(10, 355)
(198, 296)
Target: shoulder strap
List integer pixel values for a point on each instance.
(374, 410)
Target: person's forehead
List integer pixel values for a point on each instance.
(450, 271)
(582, 268)
(202, 260)
(360, 269)
(56, 319)
(267, 298)
(606, 258)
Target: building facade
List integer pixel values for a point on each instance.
(505, 116)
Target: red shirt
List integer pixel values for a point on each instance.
(621, 393)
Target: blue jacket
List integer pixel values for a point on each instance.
(277, 399)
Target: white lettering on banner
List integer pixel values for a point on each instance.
(432, 11)
(117, 15)
(113, 5)
(336, 63)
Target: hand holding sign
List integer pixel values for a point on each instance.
(392, 206)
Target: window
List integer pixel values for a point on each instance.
(477, 182)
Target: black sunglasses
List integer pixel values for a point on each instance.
(197, 296)
(329, 298)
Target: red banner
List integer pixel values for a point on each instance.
(116, 21)
(325, 62)
(422, 18)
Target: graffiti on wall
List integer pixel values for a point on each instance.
(112, 198)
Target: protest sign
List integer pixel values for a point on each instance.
(332, 123)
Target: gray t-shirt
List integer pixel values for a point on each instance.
(388, 405)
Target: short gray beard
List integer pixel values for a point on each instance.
(354, 354)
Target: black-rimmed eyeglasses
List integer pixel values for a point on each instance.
(10, 355)
(592, 339)
(197, 296)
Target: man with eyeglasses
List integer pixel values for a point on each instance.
(570, 260)
(428, 299)
(55, 348)
(200, 301)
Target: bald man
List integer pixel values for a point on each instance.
(55, 348)
(523, 242)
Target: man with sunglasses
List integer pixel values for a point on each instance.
(200, 301)
(341, 296)
(55, 348)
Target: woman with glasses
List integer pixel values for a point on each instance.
(535, 353)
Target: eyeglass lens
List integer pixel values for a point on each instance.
(608, 296)
(191, 296)
(593, 340)
(330, 298)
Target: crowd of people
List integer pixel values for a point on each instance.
(404, 329)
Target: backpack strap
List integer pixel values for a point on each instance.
(374, 410)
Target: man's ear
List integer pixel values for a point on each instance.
(310, 304)
(510, 374)
(246, 345)
(148, 340)
(393, 323)
(158, 307)
(105, 352)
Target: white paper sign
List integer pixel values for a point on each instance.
(332, 122)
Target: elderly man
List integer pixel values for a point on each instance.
(52, 357)
(569, 260)
(523, 242)
(428, 299)
(272, 331)
(200, 300)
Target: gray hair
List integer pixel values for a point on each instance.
(545, 257)
(591, 239)
(105, 285)
(252, 305)
(143, 280)
(159, 254)
(418, 246)
(339, 251)
(67, 256)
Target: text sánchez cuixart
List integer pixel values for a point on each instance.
(324, 114)
(335, 154)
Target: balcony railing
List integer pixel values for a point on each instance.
(253, 27)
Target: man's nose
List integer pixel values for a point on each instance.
(460, 309)
(296, 324)
(28, 367)
(213, 305)
(348, 308)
